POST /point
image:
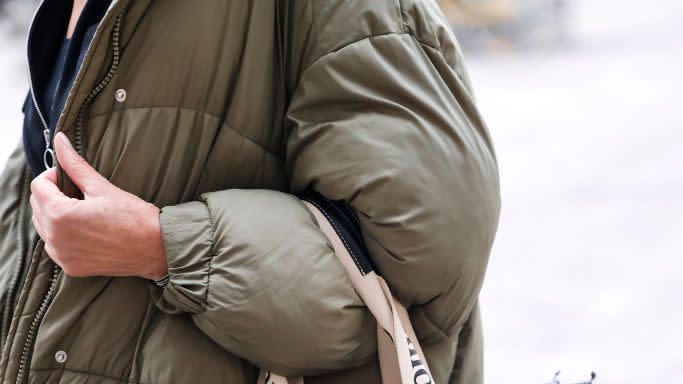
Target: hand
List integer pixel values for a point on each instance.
(109, 233)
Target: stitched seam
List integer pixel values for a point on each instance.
(223, 123)
(80, 372)
(334, 226)
(458, 74)
(443, 334)
(213, 254)
(438, 51)
(400, 16)
(354, 42)
(11, 297)
(87, 61)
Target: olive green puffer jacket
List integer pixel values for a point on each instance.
(231, 107)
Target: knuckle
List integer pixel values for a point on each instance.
(54, 216)
(57, 213)
(77, 164)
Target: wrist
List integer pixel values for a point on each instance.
(156, 267)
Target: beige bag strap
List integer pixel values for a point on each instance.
(400, 355)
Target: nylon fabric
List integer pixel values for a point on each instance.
(224, 122)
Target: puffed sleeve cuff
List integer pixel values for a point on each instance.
(188, 235)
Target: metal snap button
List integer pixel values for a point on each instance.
(120, 95)
(60, 356)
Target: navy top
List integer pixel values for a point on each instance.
(53, 63)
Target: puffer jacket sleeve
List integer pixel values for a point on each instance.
(386, 124)
(261, 279)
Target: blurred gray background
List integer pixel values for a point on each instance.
(582, 99)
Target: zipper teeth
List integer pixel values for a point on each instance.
(80, 119)
(30, 75)
(37, 319)
(25, 353)
(21, 242)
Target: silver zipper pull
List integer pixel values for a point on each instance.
(49, 154)
(46, 134)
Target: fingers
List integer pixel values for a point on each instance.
(44, 186)
(49, 204)
(39, 228)
(39, 218)
(45, 195)
(50, 175)
(81, 173)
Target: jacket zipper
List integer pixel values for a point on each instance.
(49, 152)
(28, 344)
(80, 118)
(79, 127)
(10, 296)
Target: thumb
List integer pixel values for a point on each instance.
(79, 171)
